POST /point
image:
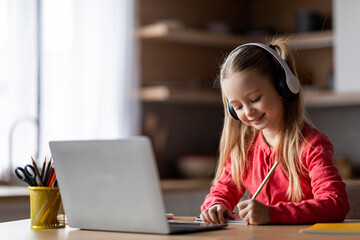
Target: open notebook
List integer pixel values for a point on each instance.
(114, 185)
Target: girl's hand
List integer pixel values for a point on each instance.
(216, 214)
(254, 212)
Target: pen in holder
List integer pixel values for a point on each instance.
(44, 207)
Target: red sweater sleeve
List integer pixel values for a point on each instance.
(330, 203)
(223, 191)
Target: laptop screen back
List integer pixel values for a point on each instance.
(110, 185)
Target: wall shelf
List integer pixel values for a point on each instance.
(180, 95)
(185, 184)
(318, 99)
(312, 98)
(178, 33)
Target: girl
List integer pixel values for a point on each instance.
(265, 123)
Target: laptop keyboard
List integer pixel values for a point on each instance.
(183, 225)
(178, 227)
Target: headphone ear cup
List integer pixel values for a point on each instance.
(283, 88)
(231, 110)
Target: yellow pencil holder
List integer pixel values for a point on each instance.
(45, 203)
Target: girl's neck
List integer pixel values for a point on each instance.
(270, 137)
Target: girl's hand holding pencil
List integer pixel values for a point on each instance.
(254, 212)
(250, 211)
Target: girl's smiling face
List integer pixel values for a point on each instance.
(256, 101)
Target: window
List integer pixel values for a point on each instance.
(88, 76)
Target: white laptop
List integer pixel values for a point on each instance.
(114, 185)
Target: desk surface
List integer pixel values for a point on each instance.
(166, 185)
(21, 230)
(14, 191)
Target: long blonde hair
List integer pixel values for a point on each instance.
(237, 138)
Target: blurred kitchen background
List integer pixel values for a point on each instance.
(92, 69)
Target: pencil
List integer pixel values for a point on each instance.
(47, 171)
(37, 172)
(265, 180)
(52, 180)
(49, 177)
(43, 169)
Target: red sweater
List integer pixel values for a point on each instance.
(324, 200)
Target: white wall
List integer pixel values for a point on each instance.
(341, 125)
(347, 45)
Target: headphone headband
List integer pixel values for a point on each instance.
(291, 80)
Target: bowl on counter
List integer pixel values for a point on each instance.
(197, 166)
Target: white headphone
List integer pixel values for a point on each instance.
(287, 86)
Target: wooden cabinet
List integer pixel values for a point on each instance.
(14, 203)
(183, 43)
